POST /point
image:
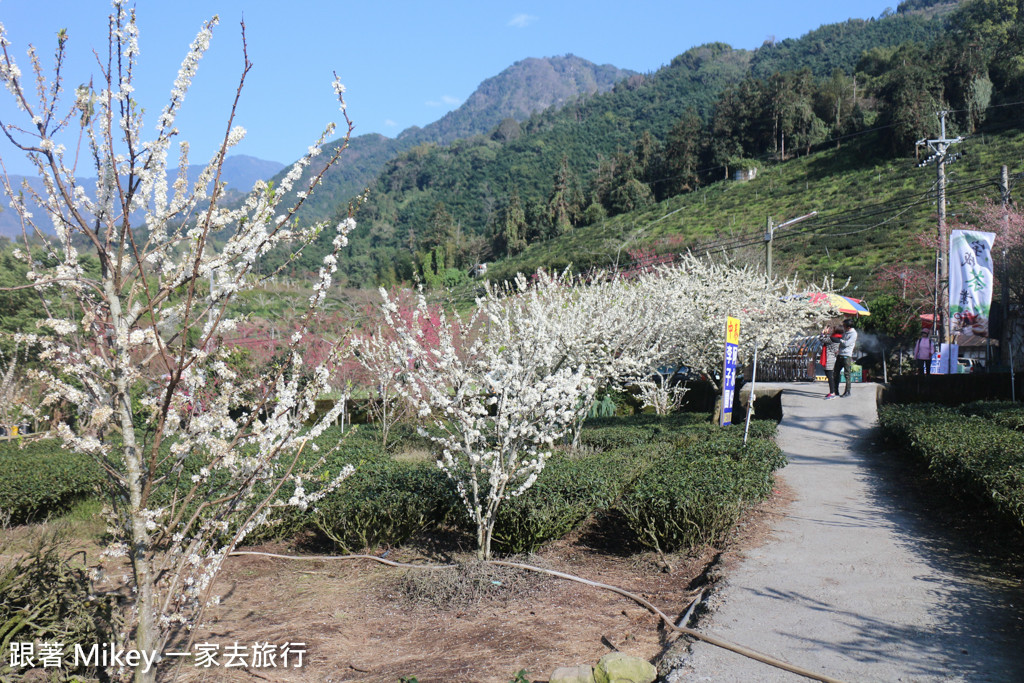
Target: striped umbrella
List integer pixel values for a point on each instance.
(844, 304)
(847, 305)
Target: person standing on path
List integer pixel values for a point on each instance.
(923, 351)
(830, 337)
(844, 357)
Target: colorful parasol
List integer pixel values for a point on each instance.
(844, 304)
(848, 305)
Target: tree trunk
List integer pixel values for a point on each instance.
(147, 634)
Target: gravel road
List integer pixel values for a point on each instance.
(858, 583)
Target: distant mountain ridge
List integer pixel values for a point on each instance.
(528, 86)
(240, 173)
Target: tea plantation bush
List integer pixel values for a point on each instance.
(677, 480)
(976, 450)
(571, 489)
(42, 478)
(385, 503)
(695, 494)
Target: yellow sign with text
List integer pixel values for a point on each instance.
(732, 331)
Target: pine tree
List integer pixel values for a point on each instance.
(565, 203)
(510, 232)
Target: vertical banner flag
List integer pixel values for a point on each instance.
(970, 283)
(732, 341)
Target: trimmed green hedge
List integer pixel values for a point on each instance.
(694, 495)
(677, 480)
(571, 489)
(42, 478)
(976, 450)
(385, 503)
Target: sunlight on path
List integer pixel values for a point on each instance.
(855, 584)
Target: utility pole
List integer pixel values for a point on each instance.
(769, 235)
(941, 157)
(1007, 340)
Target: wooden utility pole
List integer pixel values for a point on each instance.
(1006, 343)
(941, 157)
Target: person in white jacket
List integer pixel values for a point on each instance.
(844, 358)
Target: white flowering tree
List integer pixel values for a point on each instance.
(497, 408)
(627, 331)
(380, 355)
(190, 470)
(698, 294)
(602, 323)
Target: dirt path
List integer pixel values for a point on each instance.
(859, 584)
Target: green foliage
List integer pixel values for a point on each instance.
(571, 489)
(696, 493)
(41, 478)
(384, 503)
(840, 45)
(45, 597)
(867, 88)
(387, 500)
(1003, 413)
(18, 308)
(975, 451)
(621, 468)
(605, 407)
(892, 315)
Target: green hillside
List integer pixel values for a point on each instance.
(869, 211)
(829, 121)
(648, 139)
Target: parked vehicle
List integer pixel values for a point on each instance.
(970, 364)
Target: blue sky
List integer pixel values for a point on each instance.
(404, 63)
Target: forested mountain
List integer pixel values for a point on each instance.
(436, 209)
(602, 175)
(528, 86)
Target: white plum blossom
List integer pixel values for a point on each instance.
(521, 371)
(497, 408)
(195, 453)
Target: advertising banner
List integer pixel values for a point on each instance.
(945, 359)
(970, 282)
(732, 341)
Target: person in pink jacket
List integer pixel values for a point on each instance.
(924, 349)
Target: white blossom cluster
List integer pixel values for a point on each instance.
(496, 409)
(522, 371)
(195, 453)
(628, 331)
(697, 295)
(382, 355)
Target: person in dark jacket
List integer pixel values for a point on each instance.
(830, 338)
